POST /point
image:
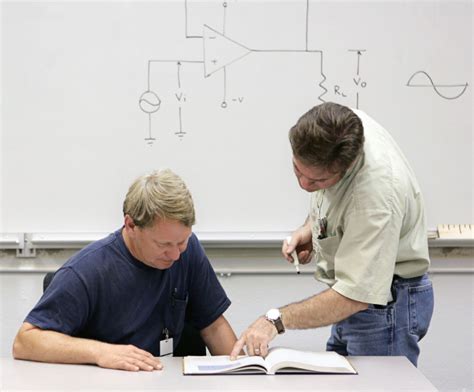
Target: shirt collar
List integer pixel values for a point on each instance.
(348, 176)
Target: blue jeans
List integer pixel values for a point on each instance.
(394, 329)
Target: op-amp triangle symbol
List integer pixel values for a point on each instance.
(220, 51)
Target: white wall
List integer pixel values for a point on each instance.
(73, 73)
(1, 132)
(446, 356)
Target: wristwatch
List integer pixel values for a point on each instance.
(274, 316)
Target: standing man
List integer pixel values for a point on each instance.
(366, 231)
(121, 301)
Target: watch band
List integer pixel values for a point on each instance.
(274, 316)
(279, 325)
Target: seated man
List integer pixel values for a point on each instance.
(116, 300)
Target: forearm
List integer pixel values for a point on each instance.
(219, 337)
(323, 309)
(35, 344)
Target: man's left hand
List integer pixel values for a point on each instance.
(255, 338)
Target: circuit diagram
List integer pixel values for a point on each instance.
(219, 52)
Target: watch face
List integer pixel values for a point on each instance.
(273, 314)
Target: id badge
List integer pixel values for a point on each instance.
(166, 347)
(166, 344)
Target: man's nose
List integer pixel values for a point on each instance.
(305, 184)
(174, 253)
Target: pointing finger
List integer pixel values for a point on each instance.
(239, 344)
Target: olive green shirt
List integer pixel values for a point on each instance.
(376, 225)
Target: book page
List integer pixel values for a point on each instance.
(222, 364)
(324, 362)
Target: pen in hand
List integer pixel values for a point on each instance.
(296, 262)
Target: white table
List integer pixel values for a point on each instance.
(375, 374)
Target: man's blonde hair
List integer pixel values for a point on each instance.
(161, 194)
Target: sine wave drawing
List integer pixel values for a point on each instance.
(423, 79)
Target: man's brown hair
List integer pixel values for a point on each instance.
(329, 136)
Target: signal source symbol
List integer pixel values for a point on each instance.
(149, 102)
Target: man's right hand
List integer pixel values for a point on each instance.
(301, 240)
(127, 357)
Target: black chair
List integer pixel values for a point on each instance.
(190, 342)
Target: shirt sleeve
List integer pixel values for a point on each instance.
(365, 260)
(64, 306)
(207, 298)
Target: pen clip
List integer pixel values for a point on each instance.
(322, 223)
(174, 295)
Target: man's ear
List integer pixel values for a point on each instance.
(128, 222)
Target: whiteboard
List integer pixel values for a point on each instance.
(95, 94)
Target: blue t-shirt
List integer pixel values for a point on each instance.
(104, 293)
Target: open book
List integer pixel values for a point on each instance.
(278, 360)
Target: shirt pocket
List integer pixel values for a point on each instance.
(325, 250)
(178, 314)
